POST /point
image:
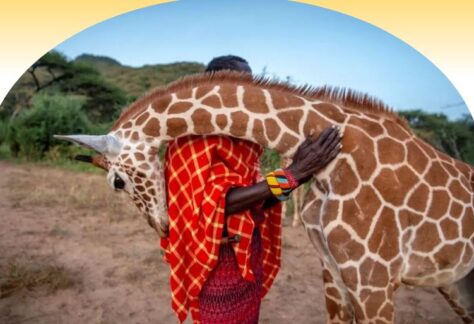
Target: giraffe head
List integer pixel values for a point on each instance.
(133, 168)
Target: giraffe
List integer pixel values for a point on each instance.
(389, 210)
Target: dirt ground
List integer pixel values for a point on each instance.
(73, 251)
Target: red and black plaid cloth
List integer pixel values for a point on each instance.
(199, 171)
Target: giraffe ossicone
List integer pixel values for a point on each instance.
(389, 210)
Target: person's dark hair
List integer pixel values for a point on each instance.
(228, 62)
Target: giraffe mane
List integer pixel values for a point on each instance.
(348, 98)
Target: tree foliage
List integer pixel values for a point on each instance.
(455, 138)
(31, 133)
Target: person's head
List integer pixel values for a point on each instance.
(228, 62)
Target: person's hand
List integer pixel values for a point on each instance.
(315, 153)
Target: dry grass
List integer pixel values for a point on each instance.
(47, 187)
(21, 276)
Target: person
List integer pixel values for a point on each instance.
(227, 252)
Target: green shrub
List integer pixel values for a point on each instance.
(3, 131)
(32, 132)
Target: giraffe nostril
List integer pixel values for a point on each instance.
(118, 182)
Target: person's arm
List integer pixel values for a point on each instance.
(312, 156)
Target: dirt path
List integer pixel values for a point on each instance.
(112, 266)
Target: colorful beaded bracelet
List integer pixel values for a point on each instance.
(281, 183)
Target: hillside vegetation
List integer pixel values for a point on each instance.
(85, 95)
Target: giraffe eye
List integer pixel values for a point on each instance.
(118, 182)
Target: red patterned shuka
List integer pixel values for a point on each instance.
(199, 171)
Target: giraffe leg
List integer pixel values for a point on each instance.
(460, 295)
(373, 305)
(338, 303)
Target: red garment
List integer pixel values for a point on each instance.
(199, 171)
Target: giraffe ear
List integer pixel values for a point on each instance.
(104, 144)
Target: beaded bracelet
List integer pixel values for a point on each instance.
(281, 183)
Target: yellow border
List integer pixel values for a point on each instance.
(441, 30)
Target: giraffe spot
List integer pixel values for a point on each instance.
(202, 121)
(456, 209)
(450, 169)
(212, 101)
(331, 209)
(448, 256)
(176, 126)
(333, 292)
(152, 127)
(127, 125)
(458, 192)
(238, 127)
(228, 93)
(221, 121)
(416, 157)
(287, 142)
(439, 204)
(408, 218)
(373, 273)
(427, 149)
(468, 223)
(360, 212)
(463, 168)
(343, 178)
(148, 183)
(135, 136)
(258, 132)
(384, 240)
(291, 119)
(139, 156)
(127, 133)
(361, 148)
(333, 113)
(393, 185)
(282, 100)
(372, 128)
(137, 180)
(386, 312)
(343, 248)
(315, 123)
(161, 103)
(427, 237)
(390, 151)
(419, 198)
(179, 107)
(144, 166)
(272, 129)
(140, 188)
(349, 276)
(374, 303)
(203, 90)
(436, 176)
(396, 131)
(184, 93)
(142, 118)
(467, 255)
(449, 229)
(254, 101)
(395, 267)
(359, 312)
(146, 198)
(151, 192)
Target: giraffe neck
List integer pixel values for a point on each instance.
(268, 117)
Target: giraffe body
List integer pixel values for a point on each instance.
(388, 210)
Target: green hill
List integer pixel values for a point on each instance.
(137, 80)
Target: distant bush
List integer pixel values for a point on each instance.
(31, 133)
(3, 131)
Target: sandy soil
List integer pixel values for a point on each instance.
(76, 223)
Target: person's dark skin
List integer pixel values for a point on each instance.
(312, 156)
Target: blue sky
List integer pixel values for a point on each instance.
(309, 44)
